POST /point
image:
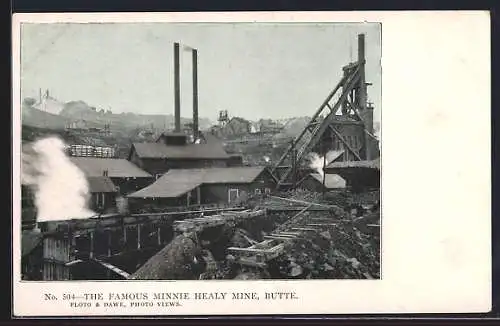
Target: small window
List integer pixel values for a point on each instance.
(267, 190)
(233, 194)
(258, 191)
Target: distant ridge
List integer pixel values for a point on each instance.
(53, 114)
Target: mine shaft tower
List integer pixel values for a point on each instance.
(343, 122)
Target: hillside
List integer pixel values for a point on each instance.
(41, 119)
(76, 110)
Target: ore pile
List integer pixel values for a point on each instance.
(338, 253)
(177, 261)
(337, 247)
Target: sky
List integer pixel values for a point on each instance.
(251, 70)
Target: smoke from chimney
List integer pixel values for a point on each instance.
(316, 160)
(60, 187)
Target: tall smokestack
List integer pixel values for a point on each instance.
(362, 82)
(177, 88)
(195, 93)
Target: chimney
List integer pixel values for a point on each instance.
(177, 88)
(195, 93)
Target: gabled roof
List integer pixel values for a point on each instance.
(116, 167)
(332, 181)
(177, 182)
(239, 174)
(101, 184)
(188, 151)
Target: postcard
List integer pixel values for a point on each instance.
(251, 163)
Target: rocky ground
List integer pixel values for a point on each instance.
(345, 245)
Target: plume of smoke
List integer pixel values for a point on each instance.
(60, 187)
(318, 162)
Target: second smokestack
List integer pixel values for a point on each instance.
(177, 88)
(195, 93)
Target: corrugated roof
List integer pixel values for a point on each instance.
(101, 184)
(177, 182)
(374, 164)
(170, 185)
(332, 181)
(238, 174)
(196, 151)
(116, 167)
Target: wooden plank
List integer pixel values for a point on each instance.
(275, 237)
(283, 235)
(290, 233)
(247, 250)
(305, 202)
(322, 224)
(263, 244)
(306, 229)
(113, 268)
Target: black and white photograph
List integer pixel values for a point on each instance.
(200, 151)
(213, 164)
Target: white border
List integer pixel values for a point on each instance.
(436, 177)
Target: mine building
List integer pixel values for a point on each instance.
(125, 176)
(173, 151)
(185, 187)
(235, 127)
(44, 256)
(103, 194)
(28, 207)
(359, 175)
(315, 182)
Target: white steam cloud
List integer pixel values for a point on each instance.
(317, 161)
(61, 189)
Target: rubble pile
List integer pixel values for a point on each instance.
(340, 246)
(325, 236)
(337, 251)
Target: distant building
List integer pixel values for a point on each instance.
(185, 187)
(80, 125)
(237, 126)
(173, 151)
(269, 126)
